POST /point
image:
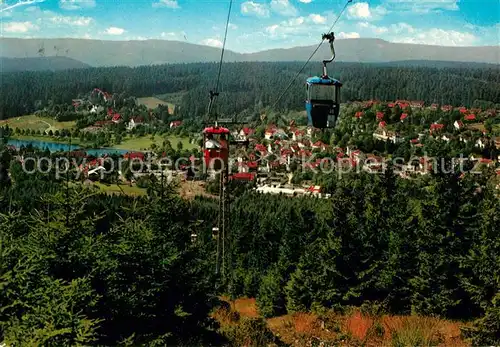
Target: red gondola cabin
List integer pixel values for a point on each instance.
(215, 147)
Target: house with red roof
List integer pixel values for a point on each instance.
(261, 149)
(417, 104)
(242, 176)
(368, 104)
(175, 124)
(134, 155)
(297, 135)
(270, 131)
(304, 153)
(314, 190)
(403, 116)
(380, 115)
(116, 118)
(248, 166)
(359, 114)
(446, 108)
(434, 107)
(436, 127)
(134, 122)
(244, 133)
(319, 145)
(470, 117)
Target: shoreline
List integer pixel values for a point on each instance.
(80, 146)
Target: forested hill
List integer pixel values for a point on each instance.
(438, 64)
(248, 87)
(40, 64)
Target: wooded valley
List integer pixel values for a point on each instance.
(248, 88)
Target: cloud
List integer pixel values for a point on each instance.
(373, 28)
(212, 42)
(359, 10)
(439, 37)
(19, 27)
(298, 26)
(318, 19)
(351, 35)
(399, 28)
(166, 3)
(422, 6)
(114, 31)
(305, 1)
(177, 36)
(233, 26)
(283, 7)
(362, 10)
(76, 4)
(72, 21)
(250, 8)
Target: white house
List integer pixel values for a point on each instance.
(481, 143)
(384, 135)
(458, 124)
(133, 123)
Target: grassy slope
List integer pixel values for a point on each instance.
(145, 142)
(36, 123)
(173, 98)
(115, 189)
(350, 329)
(152, 103)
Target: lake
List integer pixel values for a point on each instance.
(58, 147)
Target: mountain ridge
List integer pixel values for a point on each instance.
(99, 53)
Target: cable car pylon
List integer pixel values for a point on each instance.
(216, 160)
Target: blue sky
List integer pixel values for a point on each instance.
(257, 24)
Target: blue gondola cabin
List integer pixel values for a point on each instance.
(323, 101)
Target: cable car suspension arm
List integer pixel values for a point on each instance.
(330, 37)
(311, 56)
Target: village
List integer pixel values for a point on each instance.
(286, 159)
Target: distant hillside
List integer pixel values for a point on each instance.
(40, 64)
(380, 51)
(134, 53)
(437, 64)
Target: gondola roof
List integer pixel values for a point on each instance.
(322, 80)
